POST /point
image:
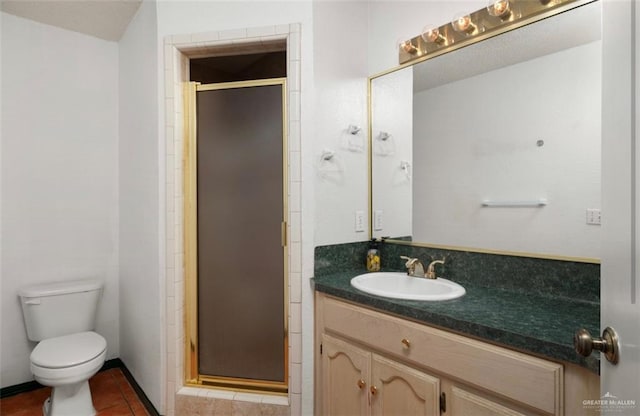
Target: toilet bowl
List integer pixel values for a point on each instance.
(61, 317)
(66, 363)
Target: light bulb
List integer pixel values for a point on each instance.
(500, 8)
(407, 46)
(463, 24)
(432, 35)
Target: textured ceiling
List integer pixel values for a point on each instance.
(103, 19)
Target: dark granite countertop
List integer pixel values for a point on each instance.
(532, 323)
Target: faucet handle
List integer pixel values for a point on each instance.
(431, 271)
(410, 264)
(414, 266)
(410, 261)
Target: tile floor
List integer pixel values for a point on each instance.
(112, 396)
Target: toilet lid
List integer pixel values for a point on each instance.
(68, 350)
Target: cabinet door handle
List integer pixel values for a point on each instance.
(374, 390)
(406, 343)
(361, 384)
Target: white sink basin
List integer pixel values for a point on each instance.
(402, 286)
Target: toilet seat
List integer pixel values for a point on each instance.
(68, 359)
(68, 350)
(53, 377)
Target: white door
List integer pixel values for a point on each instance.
(620, 383)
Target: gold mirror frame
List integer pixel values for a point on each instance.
(417, 49)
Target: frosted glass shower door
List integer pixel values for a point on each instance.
(241, 272)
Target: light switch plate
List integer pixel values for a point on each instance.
(359, 221)
(593, 216)
(377, 220)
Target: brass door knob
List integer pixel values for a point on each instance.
(361, 384)
(406, 343)
(584, 344)
(374, 390)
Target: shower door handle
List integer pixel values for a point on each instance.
(283, 233)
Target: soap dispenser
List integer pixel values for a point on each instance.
(373, 256)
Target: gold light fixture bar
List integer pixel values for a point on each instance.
(498, 17)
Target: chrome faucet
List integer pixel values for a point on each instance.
(431, 271)
(414, 266)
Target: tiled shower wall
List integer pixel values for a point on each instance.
(177, 51)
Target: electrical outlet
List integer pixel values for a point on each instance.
(377, 220)
(593, 216)
(359, 221)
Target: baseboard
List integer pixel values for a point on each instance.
(19, 388)
(112, 363)
(108, 365)
(141, 394)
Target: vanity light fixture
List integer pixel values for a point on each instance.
(500, 8)
(498, 16)
(433, 35)
(464, 24)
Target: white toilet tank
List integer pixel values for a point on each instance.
(56, 309)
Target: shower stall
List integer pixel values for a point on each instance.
(235, 171)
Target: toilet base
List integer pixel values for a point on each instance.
(69, 400)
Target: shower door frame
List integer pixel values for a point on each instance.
(192, 374)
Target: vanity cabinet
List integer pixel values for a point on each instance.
(372, 363)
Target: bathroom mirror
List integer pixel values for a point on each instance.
(495, 146)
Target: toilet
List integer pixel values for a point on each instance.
(61, 317)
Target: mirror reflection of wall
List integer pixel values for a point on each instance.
(523, 130)
(541, 140)
(391, 145)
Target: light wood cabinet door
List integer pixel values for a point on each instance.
(345, 377)
(398, 390)
(464, 403)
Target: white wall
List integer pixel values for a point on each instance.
(473, 150)
(181, 17)
(340, 78)
(140, 279)
(59, 174)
